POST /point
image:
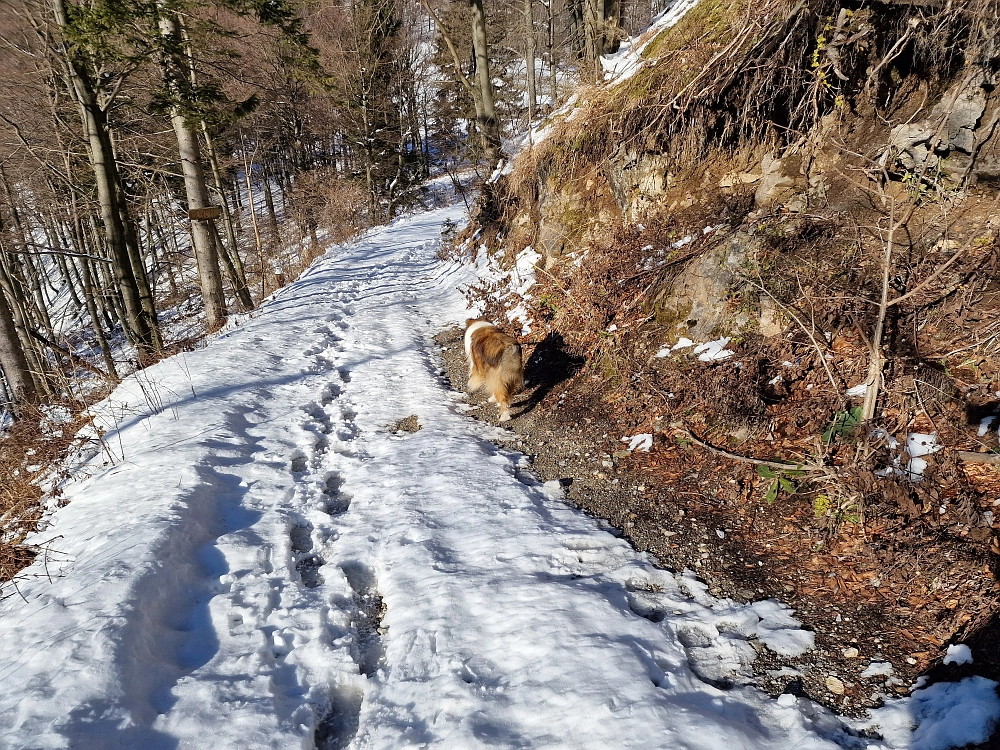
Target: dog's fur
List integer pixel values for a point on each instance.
(494, 362)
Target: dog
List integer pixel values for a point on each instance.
(494, 362)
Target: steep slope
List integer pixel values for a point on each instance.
(769, 241)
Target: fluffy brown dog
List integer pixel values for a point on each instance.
(494, 362)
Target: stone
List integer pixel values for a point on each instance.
(696, 303)
(850, 652)
(738, 178)
(963, 113)
(552, 240)
(780, 179)
(638, 181)
(771, 323)
(905, 137)
(835, 685)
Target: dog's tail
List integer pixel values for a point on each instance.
(506, 380)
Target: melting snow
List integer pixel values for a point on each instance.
(878, 669)
(917, 445)
(958, 653)
(713, 350)
(641, 442)
(628, 60)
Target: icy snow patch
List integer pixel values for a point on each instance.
(984, 425)
(857, 390)
(641, 442)
(958, 653)
(713, 351)
(878, 669)
(919, 444)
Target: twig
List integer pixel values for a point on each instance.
(788, 311)
(748, 459)
(561, 289)
(923, 284)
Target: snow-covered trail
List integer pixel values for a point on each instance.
(254, 560)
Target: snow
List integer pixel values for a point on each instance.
(781, 632)
(628, 60)
(682, 343)
(984, 425)
(520, 280)
(944, 715)
(958, 653)
(713, 351)
(642, 442)
(878, 669)
(857, 390)
(919, 444)
(252, 557)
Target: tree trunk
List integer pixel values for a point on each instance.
(22, 324)
(90, 292)
(141, 324)
(551, 48)
(489, 126)
(12, 359)
(239, 277)
(206, 252)
(593, 13)
(529, 58)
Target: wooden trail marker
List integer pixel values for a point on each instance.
(205, 214)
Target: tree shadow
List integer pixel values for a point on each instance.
(548, 366)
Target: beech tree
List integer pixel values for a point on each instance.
(77, 40)
(176, 74)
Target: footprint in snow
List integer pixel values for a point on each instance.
(367, 617)
(307, 564)
(339, 724)
(336, 500)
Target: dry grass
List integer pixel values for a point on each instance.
(29, 454)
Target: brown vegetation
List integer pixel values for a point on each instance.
(753, 181)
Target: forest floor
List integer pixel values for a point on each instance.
(295, 536)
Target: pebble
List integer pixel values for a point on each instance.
(850, 653)
(834, 685)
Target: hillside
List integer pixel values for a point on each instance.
(768, 239)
